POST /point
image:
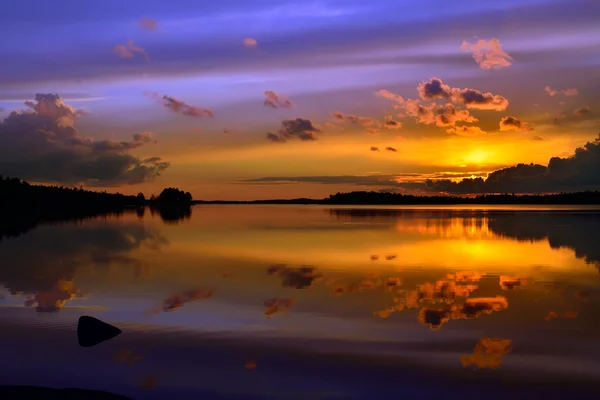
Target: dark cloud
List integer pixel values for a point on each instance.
(299, 128)
(473, 98)
(44, 146)
(129, 50)
(148, 24)
(488, 53)
(538, 138)
(391, 149)
(391, 123)
(354, 119)
(274, 100)
(180, 107)
(373, 148)
(432, 89)
(513, 124)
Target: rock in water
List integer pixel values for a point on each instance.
(91, 331)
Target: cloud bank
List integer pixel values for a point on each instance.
(43, 145)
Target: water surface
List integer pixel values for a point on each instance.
(359, 300)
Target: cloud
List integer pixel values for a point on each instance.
(466, 131)
(580, 112)
(513, 124)
(566, 92)
(353, 119)
(473, 98)
(538, 138)
(144, 137)
(129, 49)
(434, 89)
(273, 100)
(299, 128)
(386, 94)
(250, 42)
(373, 148)
(43, 145)
(488, 53)
(391, 149)
(148, 24)
(180, 107)
(447, 115)
(390, 123)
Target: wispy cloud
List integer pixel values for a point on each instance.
(180, 107)
(274, 100)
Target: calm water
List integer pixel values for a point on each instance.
(342, 303)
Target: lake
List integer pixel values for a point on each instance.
(267, 301)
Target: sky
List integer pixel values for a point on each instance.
(281, 99)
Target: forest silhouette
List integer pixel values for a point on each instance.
(24, 206)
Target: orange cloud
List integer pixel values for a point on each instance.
(373, 148)
(129, 49)
(488, 54)
(55, 298)
(250, 42)
(394, 151)
(487, 353)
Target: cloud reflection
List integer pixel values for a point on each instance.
(488, 353)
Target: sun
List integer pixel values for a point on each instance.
(477, 156)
